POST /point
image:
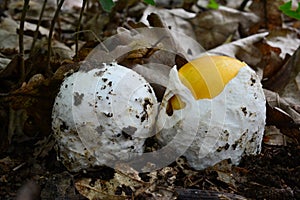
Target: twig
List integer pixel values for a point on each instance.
(78, 27)
(19, 166)
(49, 70)
(36, 33)
(21, 41)
(265, 14)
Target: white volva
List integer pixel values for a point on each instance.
(230, 125)
(101, 116)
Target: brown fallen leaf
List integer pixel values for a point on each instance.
(273, 136)
(271, 63)
(136, 46)
(214, 27)
(120, 187)
(279, 67)
(286, 39)
(136, 56)
(291, 91)
(268, 11)
(174, 19)
(284, 112)
(282, 115)
(225, 172)
(37, 103)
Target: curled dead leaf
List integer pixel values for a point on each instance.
(283, 109)
(282, 115)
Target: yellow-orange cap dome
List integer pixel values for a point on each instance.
(207, 76)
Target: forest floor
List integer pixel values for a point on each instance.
(256, 32)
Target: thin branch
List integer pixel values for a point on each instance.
(36, 33)
(78, 27)
(21, 39)
(265, 14)
(49, 70)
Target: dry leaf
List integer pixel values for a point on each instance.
(291, 92)
(269, 13)
(273, 136)
(282, 115)
(181, 32)
(244, 49)
(9, 37)
(286, 39)
(70, 4)
(4, 62)
(276, 50)
(214, 27)
(175, 19)
(120, 187)
(271, 63)
(144, 46)
(15, 7)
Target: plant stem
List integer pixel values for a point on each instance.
(49, 70)
(78, 28)
(21, 39)
(36, 33)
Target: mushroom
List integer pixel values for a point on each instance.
(216, 106)
(102, 116)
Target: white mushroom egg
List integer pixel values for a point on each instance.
(102, 116)
(228, 108)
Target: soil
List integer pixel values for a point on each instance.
(274, 174)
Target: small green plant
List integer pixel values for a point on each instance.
(151, 2)
(287, 10)
(213, 4)
(107, 5)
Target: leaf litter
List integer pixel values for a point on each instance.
(257, 33)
